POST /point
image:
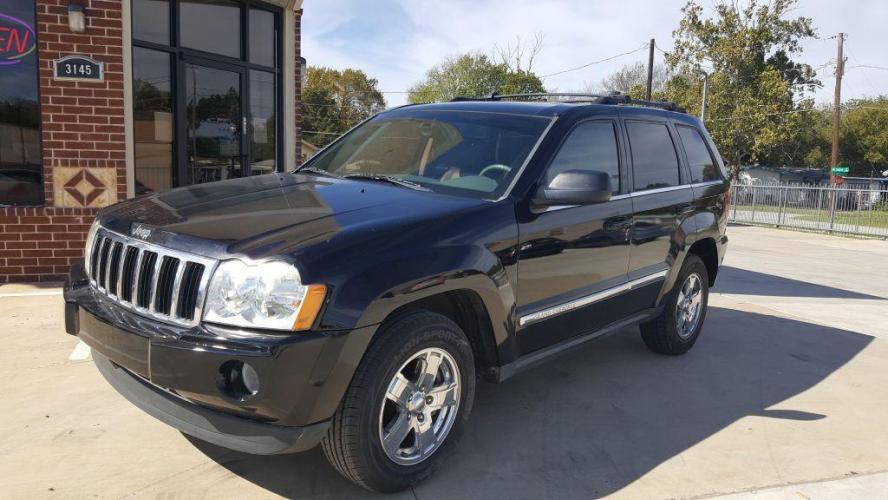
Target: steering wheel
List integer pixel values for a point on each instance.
(498, 169)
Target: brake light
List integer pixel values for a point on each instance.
(727, 200)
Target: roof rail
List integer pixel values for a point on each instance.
(614, 98)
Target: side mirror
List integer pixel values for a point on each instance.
(575, 187)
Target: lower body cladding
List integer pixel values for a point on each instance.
(261, 394)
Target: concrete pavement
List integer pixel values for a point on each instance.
(784, 396)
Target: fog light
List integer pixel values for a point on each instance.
(238, 380)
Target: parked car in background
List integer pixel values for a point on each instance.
(353, 302)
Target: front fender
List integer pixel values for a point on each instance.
(368, 298)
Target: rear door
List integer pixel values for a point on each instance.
(570, 257)
(661, 199)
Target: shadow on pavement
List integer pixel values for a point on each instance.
(744, 282)
(595, 420)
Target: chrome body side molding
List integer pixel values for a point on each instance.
(591, 299)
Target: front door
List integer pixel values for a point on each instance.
(214, 125)
(572, 258)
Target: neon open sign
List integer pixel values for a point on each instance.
(17, 40)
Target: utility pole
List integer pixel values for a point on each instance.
(837, 105)
(705, 96)
(650, 82)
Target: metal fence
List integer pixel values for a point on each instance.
(834, 210)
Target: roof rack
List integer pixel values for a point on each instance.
(615, 98)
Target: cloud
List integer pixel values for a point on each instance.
(396, 41)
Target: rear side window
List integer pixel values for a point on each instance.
(654, 160)
(591, 146)
(703, 166)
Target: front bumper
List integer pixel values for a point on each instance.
(228, 431)
(177, 374)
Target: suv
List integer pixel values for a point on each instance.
(354, 301)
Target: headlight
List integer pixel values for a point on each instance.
(267, 295)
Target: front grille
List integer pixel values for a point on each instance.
(155, 281)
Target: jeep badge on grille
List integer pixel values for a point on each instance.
(140, 231)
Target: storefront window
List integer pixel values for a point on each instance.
(263, 106)
(152, 120)
(212, 26)
(153, 21)
(206, 93)
(263, 38)
(21, 172)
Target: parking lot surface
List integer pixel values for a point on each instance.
(784, 396)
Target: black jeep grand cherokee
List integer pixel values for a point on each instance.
(353, 302)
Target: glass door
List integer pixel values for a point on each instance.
(214, 124)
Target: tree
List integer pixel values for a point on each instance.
(863, 137)
(520, 57)
(334, 101)
(472, 75)
(631, 79)
(756, 90)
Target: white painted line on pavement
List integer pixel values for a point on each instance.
(81, 352)
(31, 294)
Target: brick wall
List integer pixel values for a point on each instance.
(40, 244)
(83, 126)
(82, 122)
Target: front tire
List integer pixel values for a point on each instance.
(406, 406)
(677, 328)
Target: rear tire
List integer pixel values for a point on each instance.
(397, 421)
(677, 328)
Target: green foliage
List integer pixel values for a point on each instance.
(864, 136)
(472, 75)
(334, 101)
(755, 109)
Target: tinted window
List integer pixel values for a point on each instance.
(152, 120)
(703, 167)
(263, 119)
(262, 37)
(21, 173)
(151, 21)
(211, 25)
(591, 146)
(654, 161)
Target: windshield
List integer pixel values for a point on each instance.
(458, 152)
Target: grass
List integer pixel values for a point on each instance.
(850, 219)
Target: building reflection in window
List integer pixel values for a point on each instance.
(21, 166)
(152, 120)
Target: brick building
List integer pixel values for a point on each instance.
(104, 100)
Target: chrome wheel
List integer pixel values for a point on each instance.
(690, 306)
(420, 406)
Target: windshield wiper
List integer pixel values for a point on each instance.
(389, 179)
(318, 171)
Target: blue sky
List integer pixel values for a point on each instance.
(397, 41)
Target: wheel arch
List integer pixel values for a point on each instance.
(466, 308)
(707, 250)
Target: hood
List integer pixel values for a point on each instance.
(263, 215)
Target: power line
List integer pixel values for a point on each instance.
(869, 66)
(812, 110)
(584, 66)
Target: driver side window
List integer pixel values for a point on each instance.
(590, 146)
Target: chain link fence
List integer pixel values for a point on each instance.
(833, 210)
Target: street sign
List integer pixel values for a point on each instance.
(81, 68)
(840, 170)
